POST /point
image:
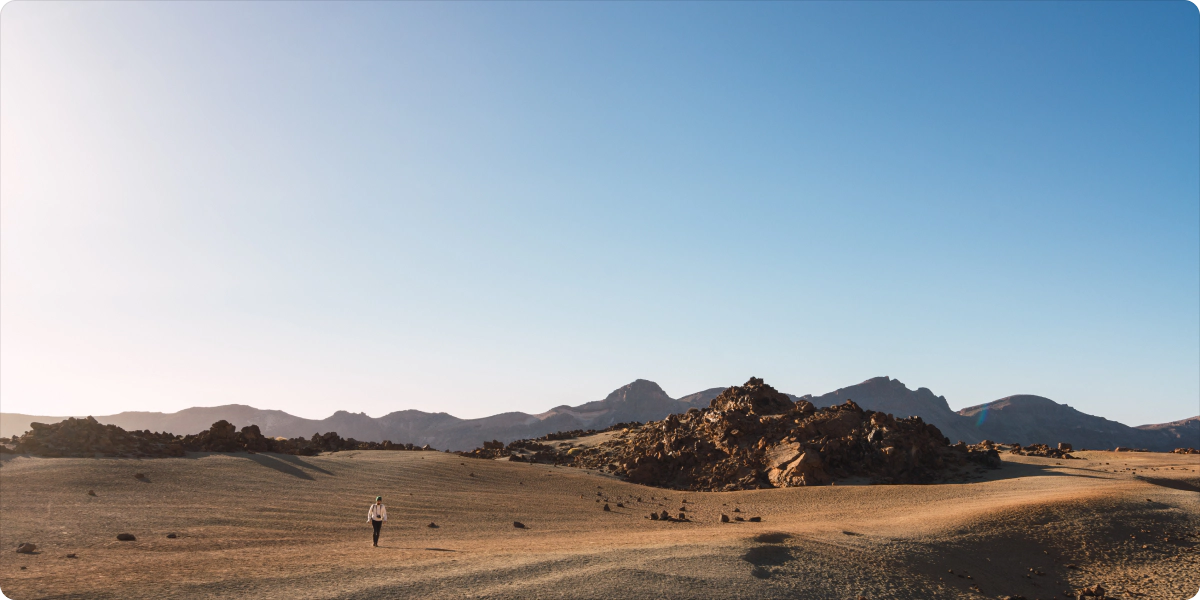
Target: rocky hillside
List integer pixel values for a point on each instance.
(1021, 419)
(888, 395)
(752, 436)
(1185, 433)
(1027, 419)
(87, 438)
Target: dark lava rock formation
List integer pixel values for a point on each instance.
(85, 438)
(752, 437)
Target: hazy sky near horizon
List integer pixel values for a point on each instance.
(477, 208)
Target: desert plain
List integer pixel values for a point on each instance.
(282, 526)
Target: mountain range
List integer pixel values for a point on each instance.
(1023, 419)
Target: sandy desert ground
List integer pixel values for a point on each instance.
(276, 526)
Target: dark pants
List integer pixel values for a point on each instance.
(376, 525)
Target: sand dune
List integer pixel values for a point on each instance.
(276, 526)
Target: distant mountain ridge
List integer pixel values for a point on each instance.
(641, 400)
(1024, 419)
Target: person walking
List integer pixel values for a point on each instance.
(376, 515)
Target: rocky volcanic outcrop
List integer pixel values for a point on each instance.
(536, 450)
(84, 438)
(1063, 451)
(752, 436)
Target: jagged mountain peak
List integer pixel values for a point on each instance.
(639, 389)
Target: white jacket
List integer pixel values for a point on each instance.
(377, 512)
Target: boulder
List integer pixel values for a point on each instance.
(26, 548)
(783, 454)
(126, 537)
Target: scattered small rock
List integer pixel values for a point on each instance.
(91, 492)
(139, 475)
(606, 508)
(755, 519)
(724, 518)
(736, 509)
(171, 536)
(738, 519)
(432, 525)
(653, 516)
(126, 537)
(72, 555)
(518, 525)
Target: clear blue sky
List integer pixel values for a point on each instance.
(476, 208)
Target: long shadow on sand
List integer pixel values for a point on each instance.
(1013, 470)
(284, 463)
(1174, 484)
(272, 462)
(295, 460)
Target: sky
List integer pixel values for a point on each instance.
(486, 207)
